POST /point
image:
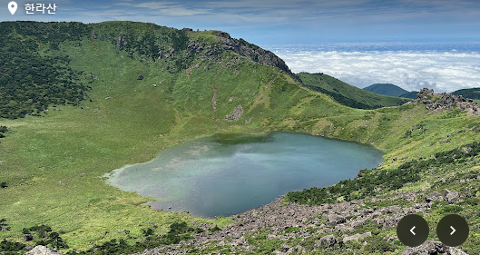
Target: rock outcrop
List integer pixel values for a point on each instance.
(250, 51)
(425, 95)
(328, 241)
(451, 197)
(432, 248)
(42, 250)
(28, 237)
(334, 219)
(447, 101)
(433, 197)
(237, 113)
(121, 42)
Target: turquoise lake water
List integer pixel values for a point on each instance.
(208, 178)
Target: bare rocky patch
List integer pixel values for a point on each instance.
(328, 225)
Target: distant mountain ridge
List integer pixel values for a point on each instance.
(347, 94)
(389, 89)
(473, 93)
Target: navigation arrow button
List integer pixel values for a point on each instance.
(411, 230)
(450, 225)
(453, 230)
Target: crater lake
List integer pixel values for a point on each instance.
(230, 174)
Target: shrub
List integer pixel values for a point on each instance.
(11, 246)
(451, 209)
(375, 244)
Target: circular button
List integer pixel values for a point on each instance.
(452, 230)
(412, 230)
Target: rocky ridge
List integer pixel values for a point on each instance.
(225, 43)
(332, 224)
(447, 101)
(200, 48)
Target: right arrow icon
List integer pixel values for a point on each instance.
(453, 230)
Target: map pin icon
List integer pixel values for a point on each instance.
(12, 6)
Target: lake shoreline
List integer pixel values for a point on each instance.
(207, 177)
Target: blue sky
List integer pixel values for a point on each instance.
(284, 21)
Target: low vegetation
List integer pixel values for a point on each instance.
(32, 80)
(473, 93)
(347, 94)
(43, 235)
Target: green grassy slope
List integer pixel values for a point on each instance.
(53, 163)
(412, 95)
(347, 94)
(473, 93)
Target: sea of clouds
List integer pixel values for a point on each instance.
(412, 66)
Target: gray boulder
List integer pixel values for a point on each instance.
(432, 248)
(28, 237)
(239, 241)
(121, 43)
(42, 250)
(334, 219)
(328, 241)
(451, 197)
(456, 251)
(427, 248)
(433, 197)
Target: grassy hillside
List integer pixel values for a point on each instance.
(347, 94)
(32, 80)
(473, 93)
(411, 94)
(390, 90)
(52, 165)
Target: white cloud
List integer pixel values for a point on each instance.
(412, 70)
